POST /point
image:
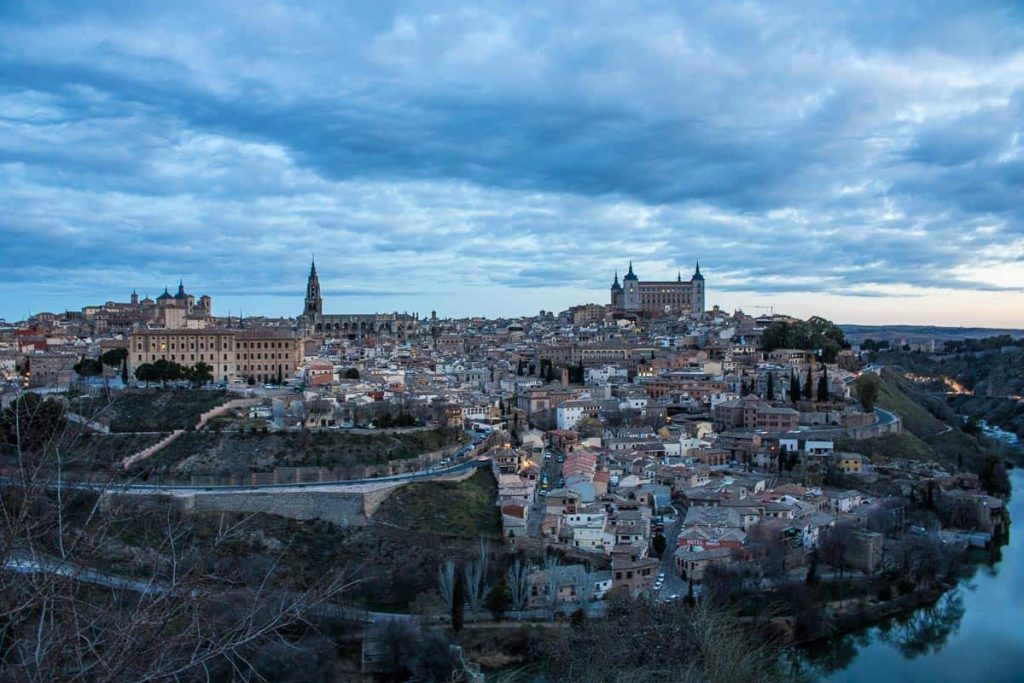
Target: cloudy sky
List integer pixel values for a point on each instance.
(860, 161)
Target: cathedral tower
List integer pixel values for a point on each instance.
(314, 308)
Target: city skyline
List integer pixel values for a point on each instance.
(862, 166)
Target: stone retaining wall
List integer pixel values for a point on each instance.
(351, 505)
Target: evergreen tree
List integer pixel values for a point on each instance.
(690, 600)
(498, 598)
(770, 392)
(659, 543)
(124, 371)
(823, 385)
(458, 602)
(809, 385)
(794, 386)
(812, 571)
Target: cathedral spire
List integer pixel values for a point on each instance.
(313, 306)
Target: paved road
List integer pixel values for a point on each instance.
(339, 485)
(673, 584)
(884, 416)
(45, 565)
(553, 469)
(24, 565)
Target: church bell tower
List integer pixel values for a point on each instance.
(314, 307)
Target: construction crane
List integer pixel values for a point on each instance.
(770, 309)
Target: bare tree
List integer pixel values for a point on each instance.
(553, 569)
(643, 640)
(446, 582)
(476, 576)
(517, 578)
(583, 584)
(836, 546)
(66, 615)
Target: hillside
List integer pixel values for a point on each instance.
(152, 410)
(465, 508)
(222, 453)
(918, 409)
(932, 429)
(994, 378)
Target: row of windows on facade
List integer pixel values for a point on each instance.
(227, 346)
(213, 357)
(629, 574)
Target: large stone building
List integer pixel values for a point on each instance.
(263, 354)
(656, 299)
(174, 311)
(350, 325)
(750, 412)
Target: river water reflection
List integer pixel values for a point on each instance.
(974, 633)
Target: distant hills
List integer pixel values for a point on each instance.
(917, 334)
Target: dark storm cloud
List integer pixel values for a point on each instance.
(793, 148)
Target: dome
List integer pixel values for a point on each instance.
(165, 296)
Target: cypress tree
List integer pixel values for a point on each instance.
(809, 385)
(823, 385)
(794, 386)
(770, 393)
(812, 570)
(458, 602)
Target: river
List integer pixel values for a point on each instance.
(974, 633)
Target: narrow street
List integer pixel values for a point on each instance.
(673, 585)
(553, 470)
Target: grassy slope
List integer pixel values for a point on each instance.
(98, 451)
(465, 508)
(897, 395)
(925, 436)
(213, 453)
(902, 445)
(158, 410)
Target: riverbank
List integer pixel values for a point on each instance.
(940, 639)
